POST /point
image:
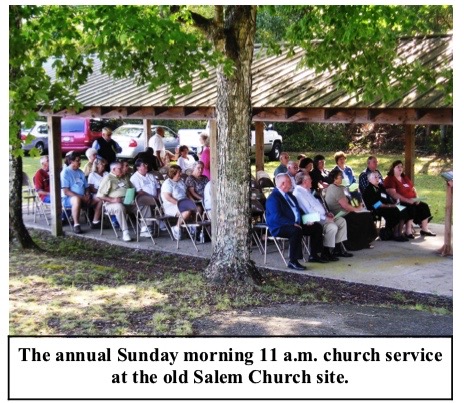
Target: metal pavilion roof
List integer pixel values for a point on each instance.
(282, 91)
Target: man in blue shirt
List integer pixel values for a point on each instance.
(283, 217)
(282, 168)
(74, 188)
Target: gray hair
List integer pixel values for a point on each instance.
(89, 152)
(280, 177)
(300, 177)
(115, 164)
(372, 173)
(43, 158)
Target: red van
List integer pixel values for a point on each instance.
(78, 134)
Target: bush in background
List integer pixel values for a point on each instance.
(359, 138)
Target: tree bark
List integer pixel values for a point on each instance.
(231, 256)
(17, 228)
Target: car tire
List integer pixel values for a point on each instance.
(40, 146)
(274, 155)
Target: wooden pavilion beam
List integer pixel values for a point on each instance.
(415, 116)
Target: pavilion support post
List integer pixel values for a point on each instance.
(214, 173)
(259, 146)
(410, 154)
(447, 248)
(147, 131)
(54, 158)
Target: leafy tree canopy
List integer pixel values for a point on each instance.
(359, 41)
(150, 45)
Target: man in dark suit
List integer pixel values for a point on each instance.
(283, 217)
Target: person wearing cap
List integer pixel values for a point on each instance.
(106, 147)
(75, 192)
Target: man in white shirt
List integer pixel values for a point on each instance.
(164, 156)
(147, 189)
(334, 229)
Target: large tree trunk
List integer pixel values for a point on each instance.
(17, 227)
(231, 257)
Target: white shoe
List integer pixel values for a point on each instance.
(176, 233)
(162, 226)
(145, 234)
(125, 236)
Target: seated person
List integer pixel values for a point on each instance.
(207, 197)
(91, 155)
(319, 175)
(112, 191)
(306, 165)
(401, 188)
(42, 180)
(292, 170)
(372, 164)
(75, 192)
(334, 229)
(196, 182)
(283, 217)
(173, 190)
(361, 227)
(348, 174)
(94, 180)
(377, 200)
(147, 189)
(282, 168)
(126, 170)
(185, 160)
(148, 157)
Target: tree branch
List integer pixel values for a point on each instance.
(212, 28)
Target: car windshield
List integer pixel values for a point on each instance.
(25, 129)
(69, 125)
(128, 131)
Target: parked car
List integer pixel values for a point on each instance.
(40, 140)
(78, 134)
(272, 140)
(132, 141)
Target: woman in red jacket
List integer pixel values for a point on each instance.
(401, 188)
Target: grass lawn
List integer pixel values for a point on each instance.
(428, 181)
(75, 286)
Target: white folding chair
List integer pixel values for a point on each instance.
(28, 191)
(145, 221)
(280, 242)
(197, 223)
(41, 208)
(106, 213)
